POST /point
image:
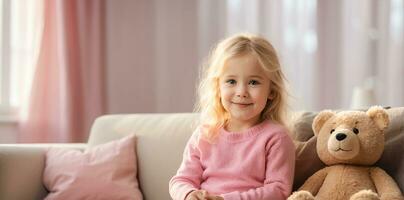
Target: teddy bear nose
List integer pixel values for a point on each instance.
(340, 136)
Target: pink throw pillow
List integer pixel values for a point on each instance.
(107, 171)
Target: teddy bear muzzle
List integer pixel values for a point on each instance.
(343, 144)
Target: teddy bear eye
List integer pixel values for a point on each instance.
(355, 130)
(332, 130)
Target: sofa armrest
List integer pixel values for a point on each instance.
(21, 169)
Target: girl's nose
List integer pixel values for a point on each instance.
(242, 92)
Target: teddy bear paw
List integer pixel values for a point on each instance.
(301, 195)
(365, 195)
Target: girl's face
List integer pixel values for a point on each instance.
(244, 90)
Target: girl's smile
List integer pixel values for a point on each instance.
(242, 105)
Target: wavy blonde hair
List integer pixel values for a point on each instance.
(213, 114)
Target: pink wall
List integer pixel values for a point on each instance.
(152, 62)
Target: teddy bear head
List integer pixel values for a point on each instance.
(350, 137)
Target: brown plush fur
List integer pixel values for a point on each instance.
(350, 143)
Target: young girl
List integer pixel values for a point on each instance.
(241, 150)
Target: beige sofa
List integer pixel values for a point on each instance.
(160, 144)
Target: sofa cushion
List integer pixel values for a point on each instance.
(307, 161)
(392, 160)
(107, 171)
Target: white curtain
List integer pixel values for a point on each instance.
(327, 48)
(24, 29)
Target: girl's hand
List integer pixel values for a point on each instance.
(214, 197)
(197, 195)
(202, 195)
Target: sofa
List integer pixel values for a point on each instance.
(161, 139)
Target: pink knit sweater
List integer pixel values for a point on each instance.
(255, 164)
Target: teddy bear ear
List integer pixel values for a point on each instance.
(379, 115)
(320, 119)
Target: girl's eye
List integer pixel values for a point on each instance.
(355, 130)
(332, 130)
(231, 81)
(254, 82)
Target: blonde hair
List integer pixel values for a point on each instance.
(213, 114)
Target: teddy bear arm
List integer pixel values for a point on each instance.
(386, 187)
(314, 183)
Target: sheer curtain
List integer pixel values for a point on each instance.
(390, 52)
(66, 93)
(25, 31)
(327, 48)
(372, 48)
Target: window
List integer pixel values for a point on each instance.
(20, 29)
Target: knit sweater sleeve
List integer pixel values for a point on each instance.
(280, 165)
(188, 177)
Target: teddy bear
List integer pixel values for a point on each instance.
(350, 143)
